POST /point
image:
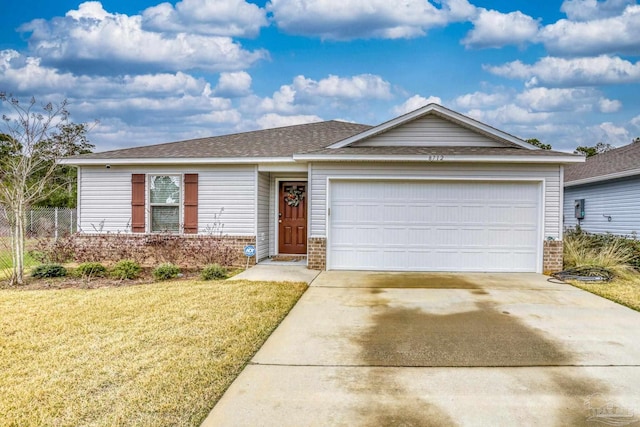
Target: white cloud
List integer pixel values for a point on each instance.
(636, 121)
(413, 103)
(151, 107)
(571, 72)
(619, 34)
(569, 99)
(610, 133)
(209, 17)
(234, 84)
(273, 120)
(609, 106)
(349, 19)
(304, 92)
(93, 41)
(495, 29)
(481, 100)
(510, 114)
(355, 87)
(25, 74)
(586, 10)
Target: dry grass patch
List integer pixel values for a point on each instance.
(159, 354)
(623, 291)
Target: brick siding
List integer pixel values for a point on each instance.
(552, 256)
(317, 253)
(104, 247)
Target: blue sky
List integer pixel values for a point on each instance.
(565, 72)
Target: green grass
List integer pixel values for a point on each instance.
(6, 262)
(625, 291)
(160, 354)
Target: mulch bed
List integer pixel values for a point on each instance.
(71, 282)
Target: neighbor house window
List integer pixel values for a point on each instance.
(164, 202)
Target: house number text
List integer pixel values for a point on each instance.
(435, 158)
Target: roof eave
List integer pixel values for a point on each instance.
(595, 179)
(437, 158)
(175, 161)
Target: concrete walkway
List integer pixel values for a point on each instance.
(277, 272)
(364, 349)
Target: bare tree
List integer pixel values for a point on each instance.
(30, 148)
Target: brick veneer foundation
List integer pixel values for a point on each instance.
(102, 245)
(317, 253)
(552, 255)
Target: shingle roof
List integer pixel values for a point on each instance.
(278, 142)
(612, 162)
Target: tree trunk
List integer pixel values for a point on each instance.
(17, 244)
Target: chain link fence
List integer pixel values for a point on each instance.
(45, 222)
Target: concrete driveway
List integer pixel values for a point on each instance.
(413, 349)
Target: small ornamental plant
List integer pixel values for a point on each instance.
(166, 271)
(213, 272)
(126, 269)
(88, 270)
(48, 270)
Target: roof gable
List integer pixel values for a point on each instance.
(433, 126)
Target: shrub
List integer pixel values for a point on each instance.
(48, 250)
(166, 271)
(613, 253)
(126, 269)
(212, 250)
(48, 270)
(90, 269)
(213, 272)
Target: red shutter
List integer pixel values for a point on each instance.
(137, 203)
(191, 203)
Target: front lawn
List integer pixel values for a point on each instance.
(160, 354)
(622, 291)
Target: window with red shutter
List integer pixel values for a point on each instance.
(191, 203)
(137, 203)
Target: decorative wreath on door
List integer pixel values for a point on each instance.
(293, 196)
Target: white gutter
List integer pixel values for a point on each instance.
(437, 158)
(175, 161)
(594, 179)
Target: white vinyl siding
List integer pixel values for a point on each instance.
(431, 131)
(428, 225)
(549, 174)
(618, 199)
(273, 229)
(226, 198)
(262, 239)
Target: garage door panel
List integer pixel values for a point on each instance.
(434, 226)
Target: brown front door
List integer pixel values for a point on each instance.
(292, 218)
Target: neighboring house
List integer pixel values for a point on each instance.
(431, 190)
(609, 185)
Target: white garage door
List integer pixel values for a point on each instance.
(434, 226)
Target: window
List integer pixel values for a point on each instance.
(169, 203)
(164, 202)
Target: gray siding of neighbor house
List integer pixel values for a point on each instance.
(619, 199)
(430, 131)
(226, 195)
(320, 172)
(262, 239)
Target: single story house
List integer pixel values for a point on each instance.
(602, 195)
(431, 190)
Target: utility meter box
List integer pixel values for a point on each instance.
(579, 205)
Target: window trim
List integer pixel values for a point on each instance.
(179, 204)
